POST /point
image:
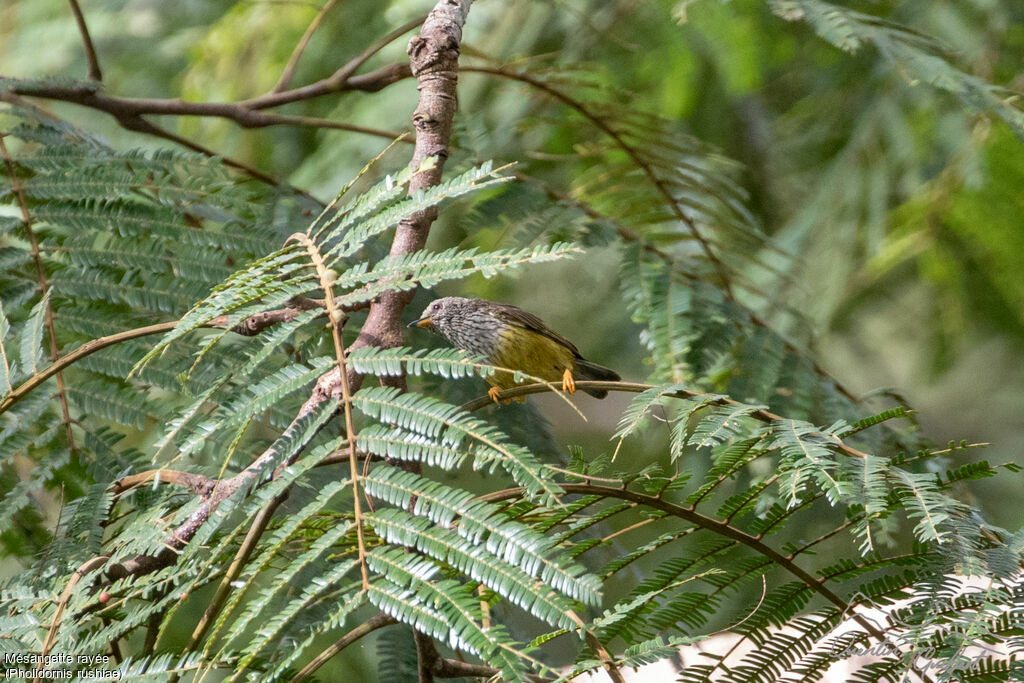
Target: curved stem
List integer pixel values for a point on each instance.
(336, 318)
(86, 349)
(293, 60)
(636, 388)
(245, 550)
(709, 524)
(249, 327)
(90, 50)
(369, 626)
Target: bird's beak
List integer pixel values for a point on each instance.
(422, 322)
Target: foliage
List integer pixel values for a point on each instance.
(326, 517)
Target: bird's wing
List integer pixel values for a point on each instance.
(517, 316)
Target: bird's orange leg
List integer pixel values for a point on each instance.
(495, 394)
(568, 383)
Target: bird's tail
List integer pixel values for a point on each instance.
(587, 370)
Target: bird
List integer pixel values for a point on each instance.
(509, 337)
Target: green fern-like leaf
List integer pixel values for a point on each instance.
(433, 418)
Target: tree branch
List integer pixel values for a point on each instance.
(439, 668)
(293, 60)
(245, 550)
(249, 327)
(369, 626)
(433, 59)
(342, 75)
(636, 388)
(427, 657)
(196, 483)
(246, 113)
(127, 110)
(704, 522)
(90, 51)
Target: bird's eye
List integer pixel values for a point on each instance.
(436, 307)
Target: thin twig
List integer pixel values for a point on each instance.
(636, 388)
(340, 77)
(670, 261)
(83, 570)
(336, 318)
(245, 550)
(199, 484)
(90, 51)
(246, 113)
(704, 522)
(86, 349)
(249, 327)
(129, 115)
(367, 627)
(140, 125)
(300, 47)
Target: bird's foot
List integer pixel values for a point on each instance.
(495, 394)
(568, 383)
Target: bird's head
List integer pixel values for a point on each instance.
(441, 315)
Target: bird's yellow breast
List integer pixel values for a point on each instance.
(529, 352)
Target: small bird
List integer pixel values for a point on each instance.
(509, 337)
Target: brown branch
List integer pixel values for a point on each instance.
(183, 533)
(249, 327)
(342, 75)
(83, 570)
(141, 125)
(256, 323)
(245, 113)
(704, 522)
(138, 124)
(433, 59)
(373, 81)
(636, 388)
(245, 550)
(439, 666)
(90, 51)
(453, 668)
(427, 657)
(369, 626)
(44, 287)
(86, 349)
(129, 112)
(198, 484)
